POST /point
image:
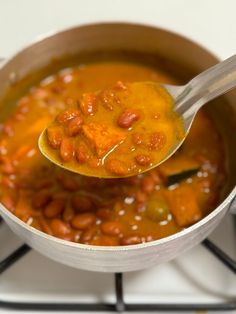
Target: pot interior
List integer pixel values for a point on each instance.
(175, 55)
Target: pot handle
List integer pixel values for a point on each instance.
(232, 206)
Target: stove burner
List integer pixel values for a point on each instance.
(119, 305)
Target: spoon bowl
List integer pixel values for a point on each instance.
(188, 99)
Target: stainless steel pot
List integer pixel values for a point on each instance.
(180, 55)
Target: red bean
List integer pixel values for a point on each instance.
(7, 182)
(105, 241)
(112, 228)
(6, 165)
(43, 183)
(45, 226)
(155, 176)
(74, 126)
(88, 104)
(103, 213)
(66, 150)
(81, 153)
(41, 199)
(54, 135)
(54, 208)
(127, 118)
(157, 141)
(140, 197)
(83, 221)
(81, 203)
(68, 214)
(9, 201)
(129, 240)
(108, 99)
(69, 183)
(94, 162)
(67, 115)
(143, 160)
(148, 185)
(120, 86)
(117, 167)
(88, 235)
(59, 228)
(137, 138)
(8, 128)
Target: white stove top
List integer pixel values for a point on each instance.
(196, 276)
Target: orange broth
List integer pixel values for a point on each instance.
(96, 211)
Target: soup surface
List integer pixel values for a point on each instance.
(96, 211)
(119, 131)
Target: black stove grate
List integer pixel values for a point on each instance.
(120, 305)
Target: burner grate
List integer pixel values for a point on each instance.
(119, 305)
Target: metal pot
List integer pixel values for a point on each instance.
(149, 44)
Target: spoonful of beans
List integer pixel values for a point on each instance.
(130, 128)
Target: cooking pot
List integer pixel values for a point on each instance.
(134, 42)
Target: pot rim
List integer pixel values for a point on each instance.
(227, 201)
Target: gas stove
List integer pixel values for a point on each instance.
(201, 279)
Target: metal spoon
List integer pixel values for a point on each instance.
(189, 98)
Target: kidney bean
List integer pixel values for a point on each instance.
(77, 235)
(6, 165)
(57, 89)
(74, 126)
(120, 86)
(69, 183)
(140, 197)
(88, 104)
(140, 208)
(103, 213)
(94, 162)
(148, 185)
(88, 235)
(143, 160)
(112, 228)
(155, 176)
(60, 195)
(7, 182)
(117, 167)
(41, 199)
(45, 226)
(54, 136)
(132, 239)
(68, 214)
(157, 141)
(83, 221)
(54, 208)
(36, 224)
(66, 150)
(59, 228)
(68, 114)
(22, 152)
(81, 203)
(9, 201)
(81, 153)
(105, 241)
(127, 118)
(3, 147)
(39, 93)
(43, 183)
(108, 99)
(8, 128)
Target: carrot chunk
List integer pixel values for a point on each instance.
(103, 138)
(184, 206)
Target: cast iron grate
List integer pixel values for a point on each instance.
(120, 305)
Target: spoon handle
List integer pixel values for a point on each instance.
(208, 85)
